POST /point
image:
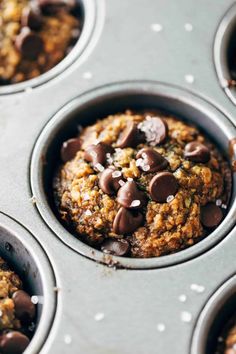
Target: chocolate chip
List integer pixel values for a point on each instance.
(151, 161)
(109, 180)
(116, 247)
(97, 154)
(162, 185)
(127, 221)
(32, 17)
(29, 44)
(70, 148)
(197, 152)
(131, 136)
(155, 130)
(13, 342)
(211, 215)
(24, 308)
(129, 196)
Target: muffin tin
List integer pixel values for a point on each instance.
(133, 56)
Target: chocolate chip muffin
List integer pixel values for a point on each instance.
(35, 36)
(141, 185)
(17, 312)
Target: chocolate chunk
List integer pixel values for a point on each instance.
(129, 196)
(162, 185)
(13, 342)
(211, 215)
(70, 148)
(109, 180)
(29, 44)
(24, 308)
(97, 154)
(197, 152)
(127, 221)
(116, 247)
(32, 17)
(155, 130)
(151, 161)
(131, 136)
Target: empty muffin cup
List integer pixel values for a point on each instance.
(225, 53)
(87, 109)
(40, 39)
(27, 290)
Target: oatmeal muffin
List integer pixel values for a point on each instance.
(17, 312)
(141, 185)
(35, 36)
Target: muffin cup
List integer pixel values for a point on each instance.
(114, 98)
(89, 8)
(223, 48)
(27, 259)
(215, 315)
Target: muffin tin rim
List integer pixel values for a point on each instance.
(59, 119)
(90, 11)
(33, 247)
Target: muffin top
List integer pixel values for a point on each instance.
(34, 36)
(141, 185)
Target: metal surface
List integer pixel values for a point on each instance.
(101, 310)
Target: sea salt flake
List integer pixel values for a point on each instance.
(186, 316)
(88, 213)
(224, 206)
(161, 327)
(156, 27)
(130, 179)
(116, 174)
(67, 339)
(182, 298)
(139, 162)
(135, 203)
(189, 78)
(218, 202)
(99, 167)
(93, 154)
(188, 27)
(86, 196)
(121, 182)
(34, 299)
(145, 168)
(170, 198)
(99, 316)
(197, 288)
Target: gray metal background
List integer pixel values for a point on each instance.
(123, 47)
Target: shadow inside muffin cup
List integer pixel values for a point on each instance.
(87, 16)
(111, 99)
(26, 258)
(214, 320)
(225, 53)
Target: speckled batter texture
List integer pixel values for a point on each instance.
(58, 30)
(168, 227)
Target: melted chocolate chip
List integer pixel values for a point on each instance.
(97, 154)
(32, 17)
(70, 148)
(109, 182)
(162, 185)
(211, 215)
(116, 247)
(29, 44)
(151, 160)
(155, 130)
(13, 342)
(197, 152)
(131, 136)
(24, 308)
(127, 221)
(129, 196)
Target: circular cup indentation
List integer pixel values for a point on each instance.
(89, 17)
(225, 53)
(215, 315)
(25, 256)
(112, 99)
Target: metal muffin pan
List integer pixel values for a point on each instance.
(25, 256)
(160, 55)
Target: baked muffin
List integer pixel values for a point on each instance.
(17, 312)
(141, 185)
(35, 36)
